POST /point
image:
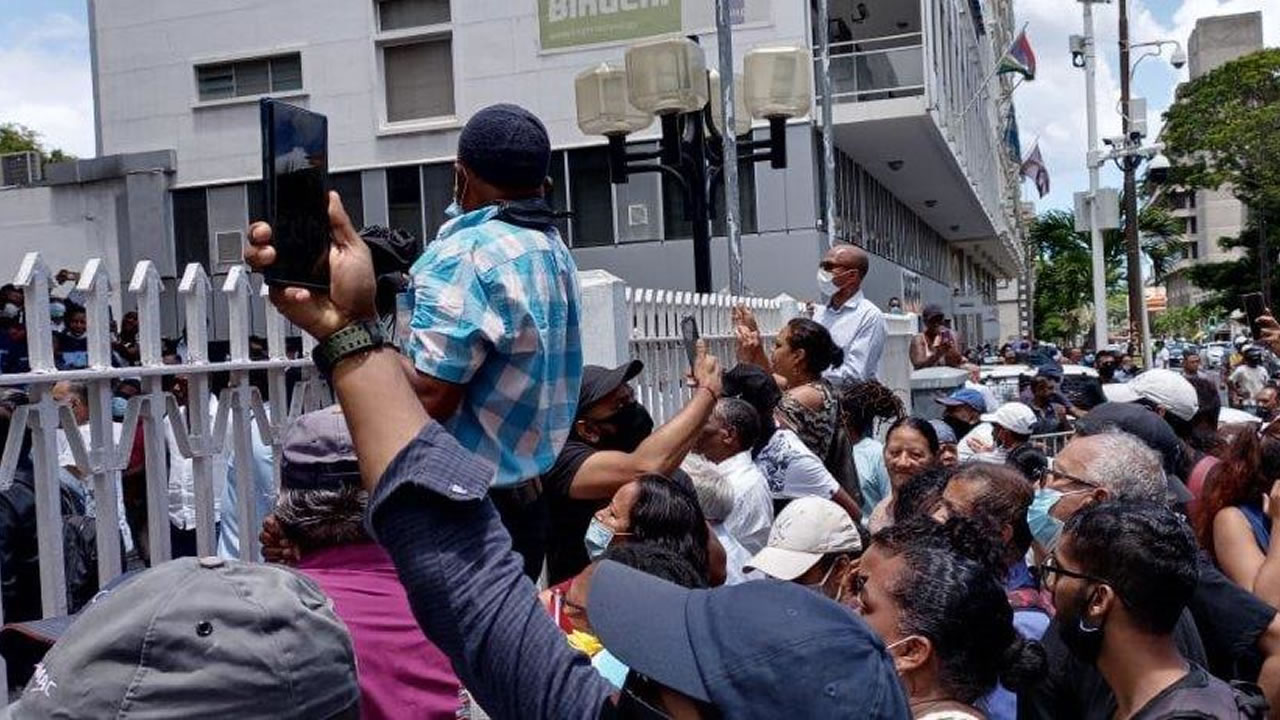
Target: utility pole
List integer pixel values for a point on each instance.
(828, 143)
(1093, 161)
(1133, 250)
(729, 136)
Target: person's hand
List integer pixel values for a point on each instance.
(706, 369)
(351, 279)
(1270, 332)
(748, 343)
(743, 316)
(276, 548)
(978, 446)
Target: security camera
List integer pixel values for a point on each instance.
(1179, 58)
(1076, 44)
(1158, 169)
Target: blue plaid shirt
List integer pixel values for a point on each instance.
(496, 308)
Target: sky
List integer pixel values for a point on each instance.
(44, 53)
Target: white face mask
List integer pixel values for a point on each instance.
(10, 310)
(826, 284)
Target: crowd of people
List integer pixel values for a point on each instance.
(484, 520)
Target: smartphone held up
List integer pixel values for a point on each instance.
(1254, 308)
(295, 177)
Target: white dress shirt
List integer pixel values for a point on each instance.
(858, 328)
(67, 460)
(182, 485)
(735, 557)
(752, 513)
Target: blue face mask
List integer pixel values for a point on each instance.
(599, 537)
(1045, 528)
(118, 406)
(454, 210)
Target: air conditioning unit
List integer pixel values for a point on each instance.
(229, 247)
(20, 168)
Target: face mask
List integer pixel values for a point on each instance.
(599, 537)
(118, 406)
(632, 423)
(1083, 641)
(826, 284)
(958, 426)
(10, 310)
(820, 587)
(1045, 528)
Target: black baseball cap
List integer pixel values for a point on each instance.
(763, 649)
(599, 381)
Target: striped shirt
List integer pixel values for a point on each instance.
(496, 308)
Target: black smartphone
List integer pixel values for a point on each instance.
(295, 178)
(689, 333)
(1254, 308)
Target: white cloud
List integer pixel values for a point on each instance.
(1053, 108)
(47, 83)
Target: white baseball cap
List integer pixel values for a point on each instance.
(1166, 388)
(1014, 417)
(803, 532)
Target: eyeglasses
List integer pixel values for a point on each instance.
(1051, 472)
(1051, 566)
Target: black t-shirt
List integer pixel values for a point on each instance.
(1195, 696)
(1072, 690)
(566, 551)
(1230, 619)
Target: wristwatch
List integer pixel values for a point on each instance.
(358, 337)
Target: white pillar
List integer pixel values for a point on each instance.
(606, 319)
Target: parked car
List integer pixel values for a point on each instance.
(1216, 353)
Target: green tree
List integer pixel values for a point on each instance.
(1180, 322)
(1064, 268)
(15, 137)
(1223, 130)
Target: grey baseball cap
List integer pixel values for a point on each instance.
(200, 638)
(318, 453)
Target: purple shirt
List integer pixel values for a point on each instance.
(401, 673)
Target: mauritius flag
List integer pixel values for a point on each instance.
(1020, 58)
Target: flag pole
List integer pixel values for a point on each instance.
(995, 71)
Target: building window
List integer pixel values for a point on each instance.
(404, 199)
(590, 197)
(349, 187)
(415, 47)
(191, 227)
(247, 78)
(1192, 226)
(437, 193)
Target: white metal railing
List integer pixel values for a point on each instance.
(198, 433)
(656, 339)
(876, 68)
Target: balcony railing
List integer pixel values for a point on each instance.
(879, 68)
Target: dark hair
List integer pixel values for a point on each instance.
(862, 402)
(1004, 496)
(820, 351)
(1143, 550)
(667, 514)
(757, 387)
(1028, 460)
(657, 561)
(920, 425)
(71, 308)
(920, 495)
(742, 418)
(1204, 423)
(961, 607)
(1250, 464)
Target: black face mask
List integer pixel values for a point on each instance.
(958, 426)
(631, 424)
(1084, 643)
(1106, 371)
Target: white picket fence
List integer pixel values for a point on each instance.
(656, 338)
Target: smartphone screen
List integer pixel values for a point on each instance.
(295, 173)
(1254, 308)
(689, 333)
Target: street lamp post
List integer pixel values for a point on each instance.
(668, 78)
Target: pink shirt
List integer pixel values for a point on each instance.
(402, 675)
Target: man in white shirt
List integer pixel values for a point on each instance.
(1248, 379)
(182, 487)
(76, 396)
(975, 383)
(999, 433)
(855, 323)
(717, 499)
(726, 440)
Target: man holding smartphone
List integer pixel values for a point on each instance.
(493, 351)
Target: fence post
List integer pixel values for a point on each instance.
(194, 289)
(277, 387)
(237, 289)
(146, 286)
(605, 319)
(33, 278)
(96, 287)
(895, 361)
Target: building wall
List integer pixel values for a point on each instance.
(147, 52)
(1220, 39)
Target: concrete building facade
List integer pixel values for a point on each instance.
(922, 179)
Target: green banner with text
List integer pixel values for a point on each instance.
(572, 23)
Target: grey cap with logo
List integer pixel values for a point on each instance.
(200, 638)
